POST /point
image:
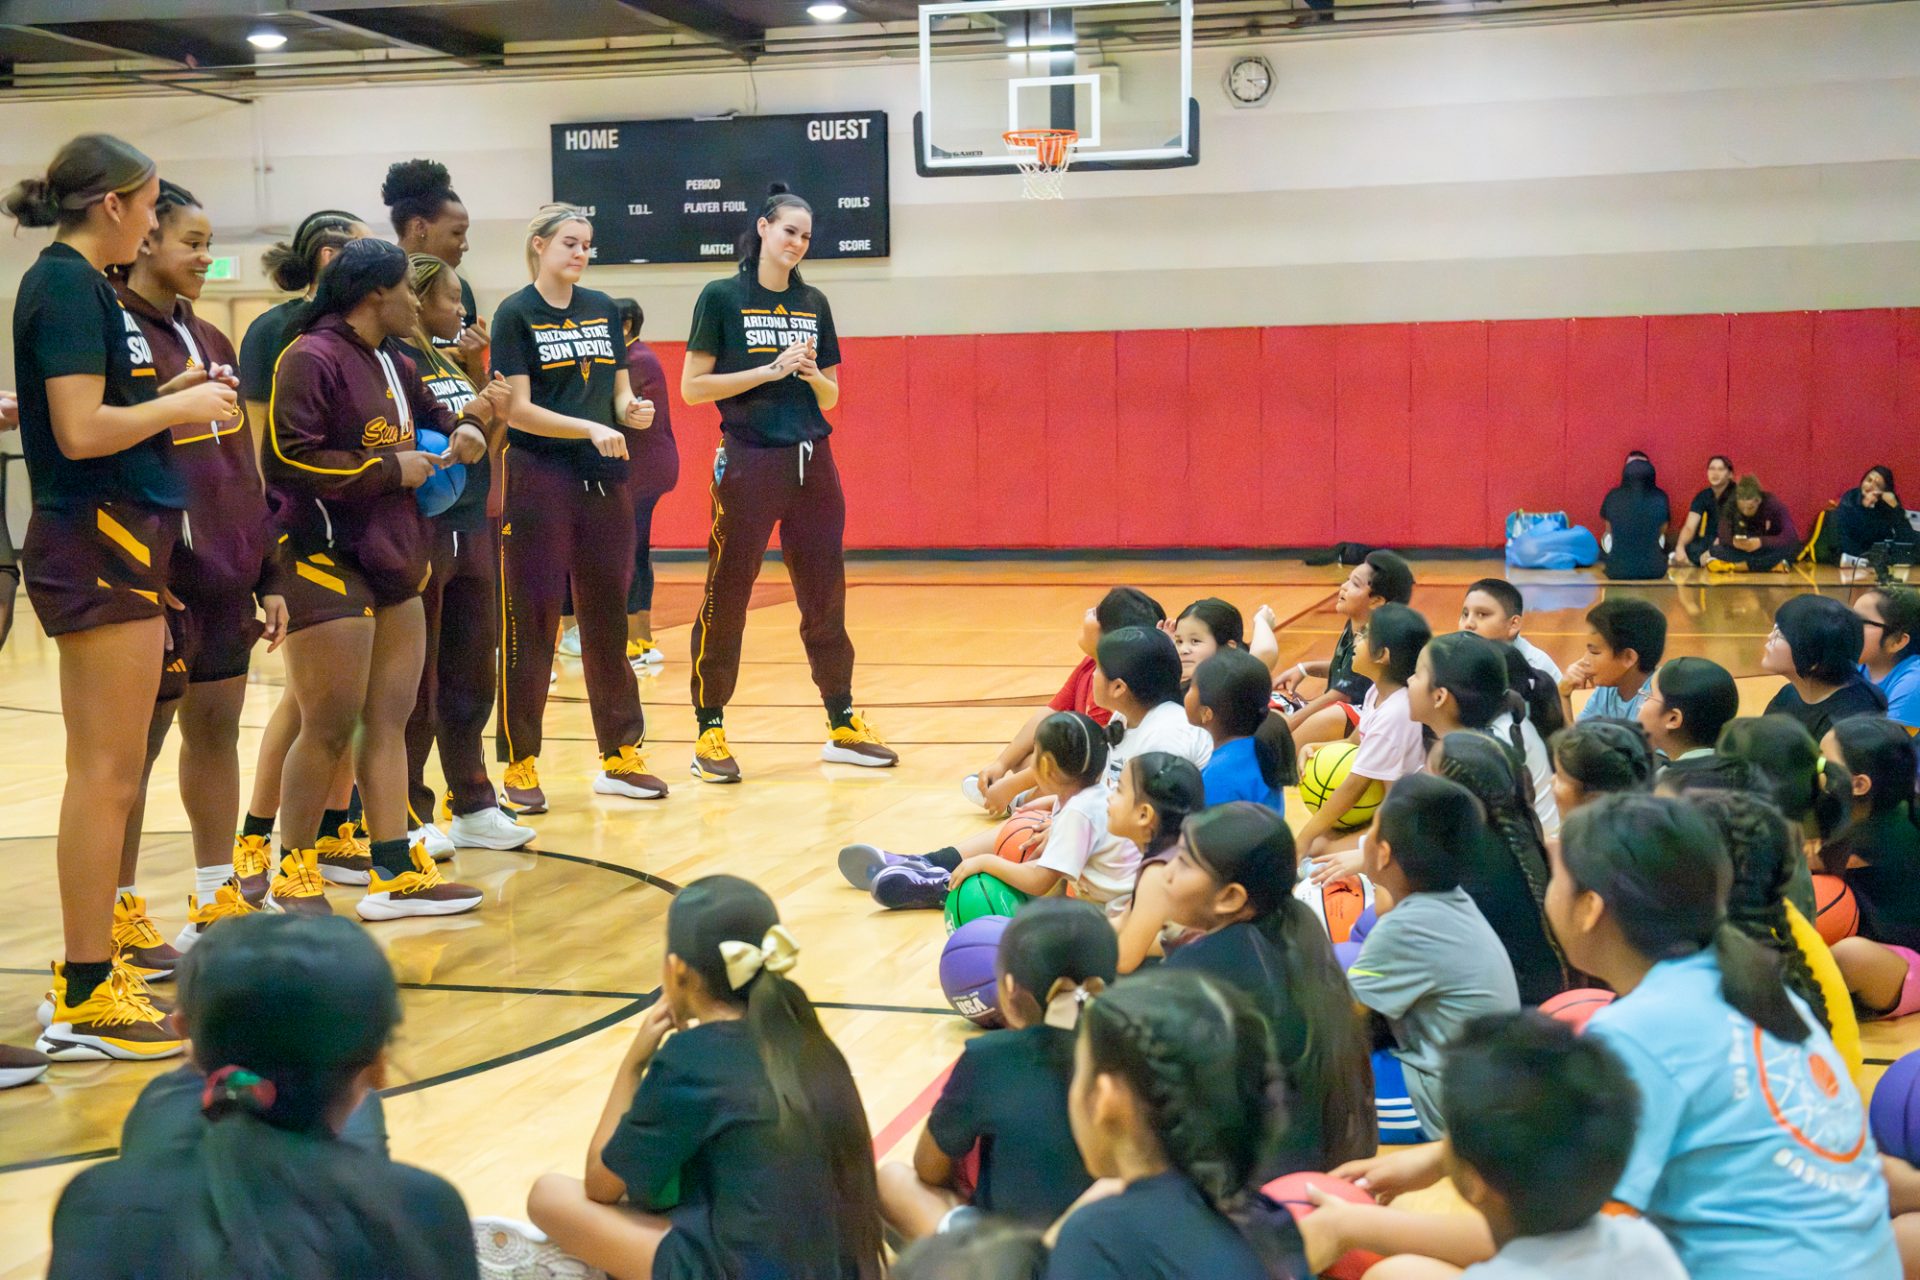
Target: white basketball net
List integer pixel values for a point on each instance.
(1043, 156)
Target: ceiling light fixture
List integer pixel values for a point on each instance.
(266, 36)
(826, 11)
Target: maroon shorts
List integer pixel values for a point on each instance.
(322, 586)
(94, 566)
(219, 632)
(176, 663)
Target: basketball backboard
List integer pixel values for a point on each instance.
(1117, 72)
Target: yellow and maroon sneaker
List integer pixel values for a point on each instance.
(253, 867)
(857, 743)
(299, 887)
(419, 892)
(226, 903)
(522, 785)
(116, 1021)
(138, 942)
(345, 857)
(626, 775)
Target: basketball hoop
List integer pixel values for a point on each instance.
(1043, 156)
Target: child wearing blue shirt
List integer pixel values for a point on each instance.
(1230, 697)
(1626, 637)
(1889, 658)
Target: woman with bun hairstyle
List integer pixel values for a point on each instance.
(353, 556)
(220, 567)
(567, 514)
(460, 599)
(294, 265)
(293, 1018)
(764, 348)
(429, 218)
(96, 424)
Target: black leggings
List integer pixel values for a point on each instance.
(640, 591)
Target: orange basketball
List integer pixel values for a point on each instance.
(1290, 1192)
(1016, 831)
(1835, 914)
(1576, 1006)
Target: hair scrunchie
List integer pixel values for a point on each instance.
(777, 953)
(237, 1086)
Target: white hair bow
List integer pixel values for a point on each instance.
(777, 953)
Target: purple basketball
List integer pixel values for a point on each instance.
(1345, 953)
(967, 973)
(1363, 925)
(1895, 1110)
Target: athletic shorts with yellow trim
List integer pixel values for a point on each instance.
(320, 586)
(98, 564)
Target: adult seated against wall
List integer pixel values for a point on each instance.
(1868, 515)
(1635, 515)
(1759, 536)
(1707, 514)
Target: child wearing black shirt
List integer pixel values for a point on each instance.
(1006, 1101)
(735, 1149)
(1382, 578)
(567, 514)
(1172, 1099)
(268, 1187)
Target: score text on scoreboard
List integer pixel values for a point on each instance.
(669, 191)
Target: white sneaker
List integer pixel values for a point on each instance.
(439, 848)
(970, 788)
(509, 1249)
(570, 642)
(489, 828)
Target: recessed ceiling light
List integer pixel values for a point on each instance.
(266, 37)
(826, 11)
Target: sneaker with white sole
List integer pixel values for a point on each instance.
(857, 743)
(419, 892)
(21, 1066)
(488, 828)
(626, 775)
(509, 1249)
(644, 655)
(522, 785)
(569, 646)
(712, 759)
(439, 847)
(344, 857)
(226, 903)
(115, 1022)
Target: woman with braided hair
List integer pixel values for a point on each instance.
(1599, 757)
(1507, 875)
(1174, 1098)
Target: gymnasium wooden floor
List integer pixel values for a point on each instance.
(517, 1015)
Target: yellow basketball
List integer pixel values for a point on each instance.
(1324, 774)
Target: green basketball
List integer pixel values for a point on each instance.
(1323, 776)
(981, 895)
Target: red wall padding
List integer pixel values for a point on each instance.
(1406, 434)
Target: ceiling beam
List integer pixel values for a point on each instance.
(414, 29)
(744, 38)
(142, 40)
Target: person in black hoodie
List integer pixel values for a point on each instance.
(341, 464)
(1869, 514)
(1636, 515)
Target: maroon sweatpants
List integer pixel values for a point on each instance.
(456, 680)
(555, 526)
(797, 488)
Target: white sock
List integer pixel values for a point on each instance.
(127, 888)
(207, 880)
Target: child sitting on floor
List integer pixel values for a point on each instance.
(1626, 637)
(1877, 855)
(1253, 756)
(737, 1145)
(1382, 578)
(1540, 1123)
(1494, 608)
(1010, 773)
(1689, 701)
(1007, 1095)
(1150, 807)
(1203, 629)
(1599, 757)
(1432, 963)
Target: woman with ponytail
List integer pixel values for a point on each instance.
(1753, 1153)
(294, 265)
(460, 598)
(96, 425)
(1232, 880)
(1506, 873)
(1231, 697)
(291, 1024)
(1466, 681)
(734, 1147)
(567, 513)
(342, 462)
(1004, 1107)
(1877, 855)
(764, 349)
(1174, 1104)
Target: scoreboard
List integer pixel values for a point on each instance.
(684, 190)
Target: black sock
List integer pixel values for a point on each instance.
(391, 857)
(709, 717)
(354, 812)
(83, 978)
(255, 825)
(839, 710)
(947, 859)
(333, 819)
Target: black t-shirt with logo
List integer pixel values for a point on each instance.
(67, 320)
(448, 384)
(744, 326)
(271, 332)
(571, 357)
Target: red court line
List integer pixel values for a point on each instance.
(916, 1111)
